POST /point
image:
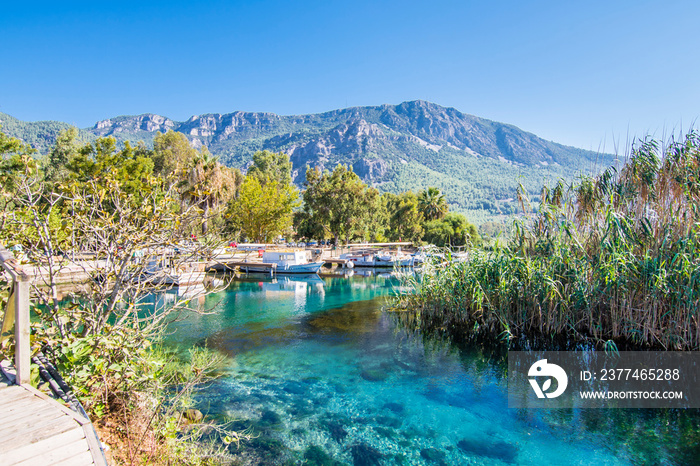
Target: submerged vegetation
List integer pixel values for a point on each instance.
(611, 260)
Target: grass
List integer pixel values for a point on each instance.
(611, 260)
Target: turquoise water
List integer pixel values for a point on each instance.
(321, 375)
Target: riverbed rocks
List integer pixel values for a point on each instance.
(497, 449)
(193, 415)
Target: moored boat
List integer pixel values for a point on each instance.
(286, 262)
(378, 259)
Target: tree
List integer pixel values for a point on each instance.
(452, 230)
(432, 204)
(271, 166)
(102, 159)
(405, 217)
(262, 212)
(172, 153)
(208, 185)
(65, 149)
(341, 203)
(16, 164)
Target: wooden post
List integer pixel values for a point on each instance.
(22, 347)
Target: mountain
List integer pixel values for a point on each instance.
(478, 163)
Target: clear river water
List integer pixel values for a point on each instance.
(322, 374)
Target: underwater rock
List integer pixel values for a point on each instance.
(397, 408)
(498, 449)
(301, 408)
(193, 415)
(374, 375)
(433, 455)
(385, 432)
(365, 455)
(389, 421)
(295, 388)
(440, 395)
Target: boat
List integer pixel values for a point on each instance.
(164, 272)
(284, 262)
(378, 259)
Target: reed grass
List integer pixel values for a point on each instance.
(612, 259)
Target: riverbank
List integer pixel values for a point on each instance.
(610, 261)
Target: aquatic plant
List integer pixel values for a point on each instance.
(611, 259)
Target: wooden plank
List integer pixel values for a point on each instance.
(37, 432)
(65, 409)
(23, 405)
(40, 410)
(57, 453)
(43, 411)
(33, 430)
(13, 398)
(98, 455)
(14, 394)
(9, 398)
(82, 459)
(21, 453)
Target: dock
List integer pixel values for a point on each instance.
(344, 263)
(230, 265)
(36, 429)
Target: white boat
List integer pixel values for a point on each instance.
(285, 262)
(378, 260)
(163, 272)
(393, 260)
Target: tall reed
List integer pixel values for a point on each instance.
(613, 258)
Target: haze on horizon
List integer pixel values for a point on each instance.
(587, 75)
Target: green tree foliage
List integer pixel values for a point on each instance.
(261, 212)
(405, 218)
(271, 166)
(306, 226)
(16, 164)
(208, 185)
(172, 153)
(65, 149)
(102, 160)
(451, 230)
(432, 204)
(493, 229)
(341, 203)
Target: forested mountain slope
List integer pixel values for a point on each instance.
(476, 162)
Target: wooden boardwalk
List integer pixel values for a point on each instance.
(38, 430)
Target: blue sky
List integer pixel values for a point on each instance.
(580, 73)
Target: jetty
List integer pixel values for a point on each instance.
(230, 265)
(36, 429)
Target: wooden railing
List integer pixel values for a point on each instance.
(19, 299)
